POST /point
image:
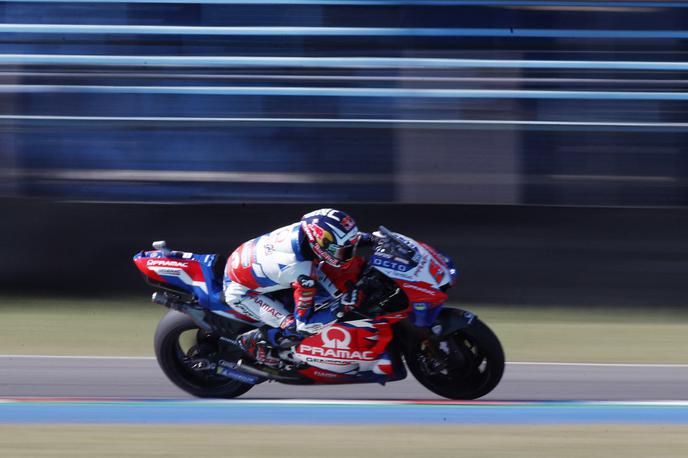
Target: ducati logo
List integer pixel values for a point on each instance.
(336, 337)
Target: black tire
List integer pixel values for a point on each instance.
(170, 356)
(480, 369)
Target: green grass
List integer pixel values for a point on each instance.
(584, 334)
(571, 441)
(126, 327)
(78, 326)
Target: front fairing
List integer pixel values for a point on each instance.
(420, 271)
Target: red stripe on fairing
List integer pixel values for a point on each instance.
(141, 264)
(194, 270)
(420, 291)
(386, 368)
(434, 254)
(324, 376)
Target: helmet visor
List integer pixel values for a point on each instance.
(342, 253)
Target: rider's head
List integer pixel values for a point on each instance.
(331, 234)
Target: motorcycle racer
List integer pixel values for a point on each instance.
(315, 258)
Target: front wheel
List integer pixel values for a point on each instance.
(187, 356)
(467, 364)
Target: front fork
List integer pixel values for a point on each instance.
(436, 352)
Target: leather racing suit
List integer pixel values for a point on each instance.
(282, 260)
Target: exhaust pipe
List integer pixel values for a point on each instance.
(230, 370)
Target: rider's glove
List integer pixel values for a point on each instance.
(304, 295)
(365, 239)
(351, 300)
(368, 239)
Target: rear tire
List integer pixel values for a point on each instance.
(478, 364)
(171, 355)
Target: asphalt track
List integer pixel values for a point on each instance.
(140, 378)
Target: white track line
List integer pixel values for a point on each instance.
(511, 363)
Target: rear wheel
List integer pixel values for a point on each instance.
(187, 355)
(467, 364)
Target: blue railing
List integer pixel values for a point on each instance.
(567, 102)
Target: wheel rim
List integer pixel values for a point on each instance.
(191, 347)
(468, 367)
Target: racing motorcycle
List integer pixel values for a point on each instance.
(401, 322)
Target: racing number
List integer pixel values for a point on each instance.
(436, 271)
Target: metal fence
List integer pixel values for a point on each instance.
(567, 102)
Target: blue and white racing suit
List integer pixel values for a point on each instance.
(274, 262)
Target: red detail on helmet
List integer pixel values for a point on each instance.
(319, 234)
(348, 223)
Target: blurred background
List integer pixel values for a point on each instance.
(542, 144)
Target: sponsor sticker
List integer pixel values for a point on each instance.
(389, 264)
(343, 340)
(269, 309)
(420, 306)
(336, 345)
(166, 263)
(325, 374)
(335, 353)
(420, 288)
(170, 272)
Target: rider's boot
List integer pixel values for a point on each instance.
(255, 344)
(285, 336)
(258, 343)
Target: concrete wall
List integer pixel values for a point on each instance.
(507, 254)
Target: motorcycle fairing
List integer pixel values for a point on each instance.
(189, 272)
(349, 348)
(387, 370)
(420, 275)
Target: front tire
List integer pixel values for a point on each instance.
(474, 361)
(174, 359)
